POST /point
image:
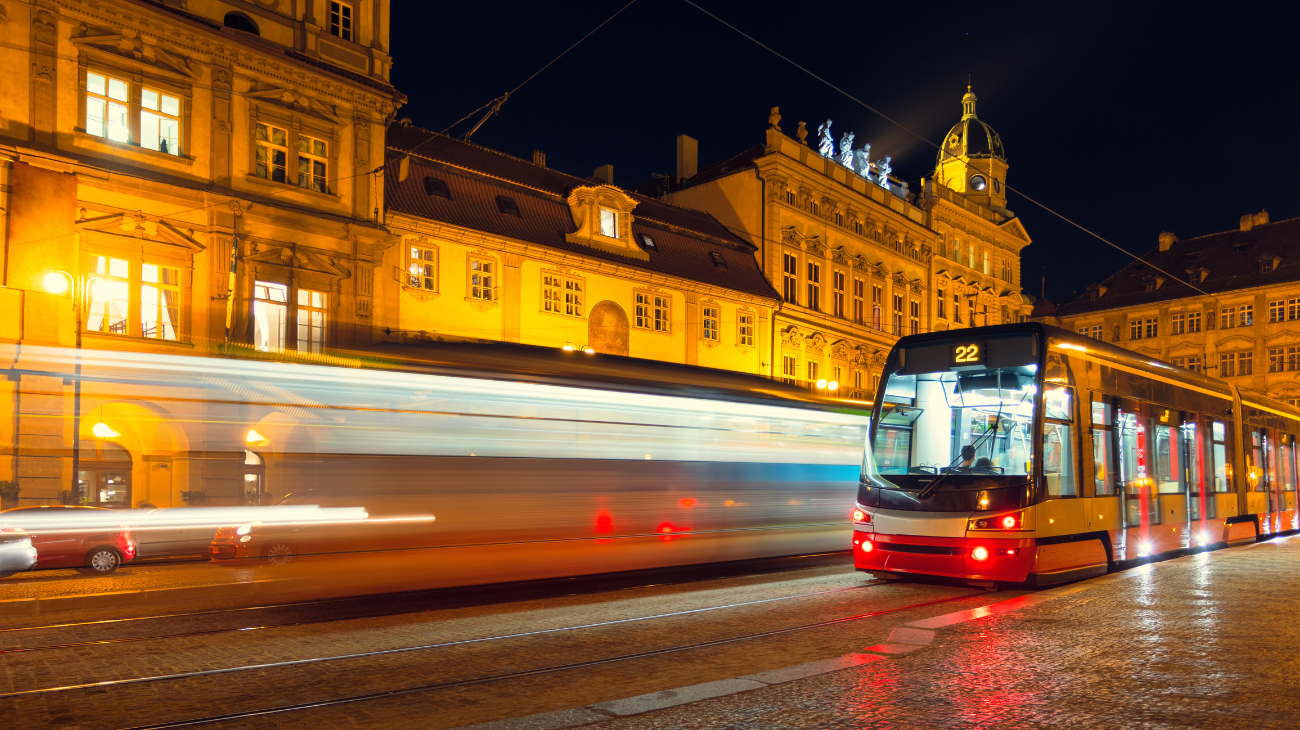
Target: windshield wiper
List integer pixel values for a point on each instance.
(933, 486)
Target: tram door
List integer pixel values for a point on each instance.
(1259, 498)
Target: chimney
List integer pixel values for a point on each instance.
(539, 158)
(1167, 240)
(1247, 221)
(604, 173)
(688, 157)
(1261, 218)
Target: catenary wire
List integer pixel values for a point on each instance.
(908, 130)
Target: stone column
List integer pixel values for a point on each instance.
(692, 328)
(511, 300)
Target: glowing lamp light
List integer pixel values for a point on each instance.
(55, 283)
(1008, 522)
(589, 350)
(1203, 539)
(687, 502)
(1144, 549)
(256, 439)
(821, 384)
(867, 546)
(833, 385)
(859, 515)
(980, 553)
(104, 431)
(568, 348)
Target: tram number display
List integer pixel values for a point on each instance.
(968, 354)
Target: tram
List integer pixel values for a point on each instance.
(1026, 453)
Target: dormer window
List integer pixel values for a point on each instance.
(718, 261)
(608, 223)
(436, 188)
(647, 242)
(507, 206)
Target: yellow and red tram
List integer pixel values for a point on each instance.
(1027, 453)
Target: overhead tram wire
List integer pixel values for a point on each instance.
(942, 151)
(497, 103)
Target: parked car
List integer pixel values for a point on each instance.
(367, 522)
(172, 533)
(90, 539)
(16, 551)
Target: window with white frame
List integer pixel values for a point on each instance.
(1277, 311)
(745, 329)
(1293, 309)
(108, 106)
(1194, 363)
(1096, 332)
(160, 121)
(710, 321)
(789, 369)
(422, 269)
(311, 320)
(1245, 315)
(653, 311)
(160, 301)
(108, 291)
(341, 20)
(1135, 329)
(608, 223)
(1177, 324)
(482, 279)
(1194, 322)
(313, 163)
(563, 294)
(1153, 327)
(270, 312)
(271, 156)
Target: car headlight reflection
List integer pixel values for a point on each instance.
(246, 528)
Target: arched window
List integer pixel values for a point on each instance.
(103, 474)
(239, 21)
(254, 478)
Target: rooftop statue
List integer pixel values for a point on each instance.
(862, 158)
(846, 150)
(826, 145)
(883, 169)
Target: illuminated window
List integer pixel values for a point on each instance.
(422, 271)
(107, 107)
(160, 302)
(341, 20)
(711, 317)
(814, 287)
(563, 294)
(653, 311)
(986, 269)
(859, 288)
(272, 153)
(313, 161)
(608, 223)
(482, 279)
(311, 320)
(789, 369)
(745, 329)
(790, 278)
(160, 123)
(838, 279)
(109, 292)
(270, 311)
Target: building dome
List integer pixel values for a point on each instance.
(971, 138)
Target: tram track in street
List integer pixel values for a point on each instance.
(436, 686)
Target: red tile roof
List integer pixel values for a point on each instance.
(1231, 257)
(684, 239)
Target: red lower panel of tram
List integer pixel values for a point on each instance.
(975, 558)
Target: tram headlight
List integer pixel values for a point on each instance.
(1001, 522)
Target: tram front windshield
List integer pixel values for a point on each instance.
(965, 427)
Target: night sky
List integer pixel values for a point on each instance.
(1128, 119)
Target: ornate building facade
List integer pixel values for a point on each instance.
(1241, 322)
(180, 182)
(858, 259)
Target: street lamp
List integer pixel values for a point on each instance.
(570, 347)
(59, 282)
(828, 385)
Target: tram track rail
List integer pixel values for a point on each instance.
(436, 686)
(242, 629)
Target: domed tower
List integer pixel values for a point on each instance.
(971, 160)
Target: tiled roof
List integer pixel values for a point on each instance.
(1231, 257)
(685, 240)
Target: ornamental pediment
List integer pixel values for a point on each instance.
(1235, 341)
(296, 101)
(138, 225)
(292, 258)
(137, 49)
(1285, 337)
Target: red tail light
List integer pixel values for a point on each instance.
(867, 546)
(860, 516)
(980, 553)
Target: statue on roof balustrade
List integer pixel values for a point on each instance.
(846, 150)
(883, 169)
(826, 145)
(862, 160)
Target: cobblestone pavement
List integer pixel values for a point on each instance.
(1207, 641)
(1203, 641)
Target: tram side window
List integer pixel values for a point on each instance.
(1168, 460)
(1258, 477)
(1103, 445)
(1219, 435)
(1058, 447)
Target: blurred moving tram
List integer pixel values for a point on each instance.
(1027, 453)
(527, 462)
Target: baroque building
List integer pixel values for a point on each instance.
(1226, 304)
(858, 259)
(180, 181)
(498, 248)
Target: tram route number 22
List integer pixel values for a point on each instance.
(970, 354)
